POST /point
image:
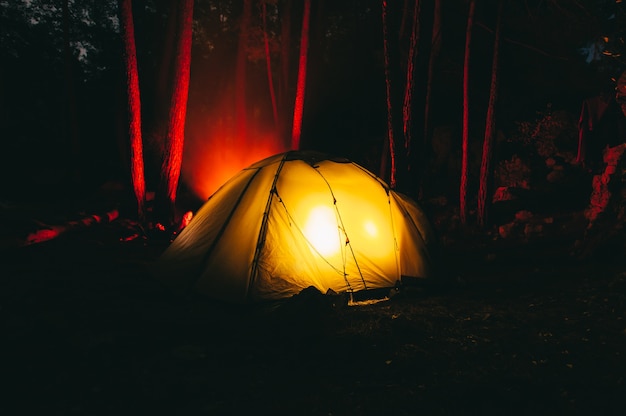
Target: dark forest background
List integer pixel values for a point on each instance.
(62, 86)
(528, 318)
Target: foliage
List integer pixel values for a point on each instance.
(548, 133)
(552, 135)
(37, 26)
(611, 41)
(513, 173)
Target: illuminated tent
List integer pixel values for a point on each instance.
(296, 220)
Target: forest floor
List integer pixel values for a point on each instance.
(522, 328)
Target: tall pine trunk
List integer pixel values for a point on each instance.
(463, 210)
(435, 48)
(173, 151)
(268, 62)
(134, 107)
(490, 131)
(298, 109)
(165, 69)
(390, 138)
(241, 75)
(410, 78)
(283, 80)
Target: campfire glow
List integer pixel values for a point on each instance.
(214, 156)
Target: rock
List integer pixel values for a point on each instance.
(523, 216)
(555, 176)
(503, 193)
(506, 230)
(601, 184)
(532, 229)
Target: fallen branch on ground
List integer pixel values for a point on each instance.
(49, 232)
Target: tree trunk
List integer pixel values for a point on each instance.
(435, 48)
(285, 110)
(432, 61)
(298, 109)
(410, 77)
(484, 190)
(173, 151)
(165, 68)
(134, 107)
(268, 61)
(390, 140)
(405, 14)
(464, 156)
(240, 76)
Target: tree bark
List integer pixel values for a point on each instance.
(433, 54)
(463, 210)
(174, 141)
(241, 74)
(390, 139)
(134, 107)
(268, 61)
(405, 9)
(165, 68)
(432, 60)
(410, 76)
(285, 110)
(298, 109)
(484, 190)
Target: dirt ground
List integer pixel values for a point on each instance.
(518, 330)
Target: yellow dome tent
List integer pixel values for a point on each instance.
(296, 220)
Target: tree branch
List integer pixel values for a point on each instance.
(524, 45)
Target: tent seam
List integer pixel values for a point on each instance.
(263, 229)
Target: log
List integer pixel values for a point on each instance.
(50, 232)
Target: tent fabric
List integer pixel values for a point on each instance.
(296, 220)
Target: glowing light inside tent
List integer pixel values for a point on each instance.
(321, 230)
(370, 228)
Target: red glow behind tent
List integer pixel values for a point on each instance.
(214, 156)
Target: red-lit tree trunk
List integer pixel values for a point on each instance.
(434, 54)
(490, 131)
(405, 15)
(134, 107)
(174, 140)
(165, 68)
(283, 80)
(463, 210)
(410, 76)
(241, 74)
(390, 139)
(409, 86)
(298, 108)
(268, 61)
(435, 48)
